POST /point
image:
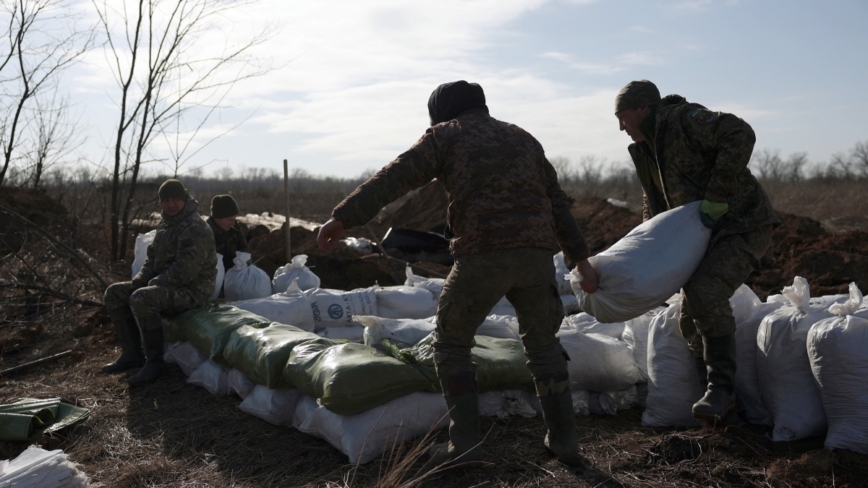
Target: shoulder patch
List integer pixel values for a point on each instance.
(702, 116)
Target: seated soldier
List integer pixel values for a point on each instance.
(178, 275)
(228, 237)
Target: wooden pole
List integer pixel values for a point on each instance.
(286, 198)
(24, 366)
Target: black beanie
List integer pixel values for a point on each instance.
(223, 206)
(449, 100)
(173, 189)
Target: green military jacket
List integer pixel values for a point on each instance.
(228, 242)
(697, 154)
(182, 255)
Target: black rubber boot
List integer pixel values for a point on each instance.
(701, 370)
(460, 391)
(718, 404)
(560, 417)
(130, 341)
(155, 365)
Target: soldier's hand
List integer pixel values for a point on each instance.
(329, 234)
(589, 276)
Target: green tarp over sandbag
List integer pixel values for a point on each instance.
(262, 354)
(500, 363)
(352, 378)
(209, 329)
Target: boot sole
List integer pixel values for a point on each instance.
(710, 420)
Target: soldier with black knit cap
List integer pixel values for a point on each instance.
(683, 153)
(228, 237)
(178, 275)
(508, 216)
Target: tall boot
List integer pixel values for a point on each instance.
(560, 417)
(719, 399)
(155, 365)
(460, 391)
(701, 370)
(129, 339)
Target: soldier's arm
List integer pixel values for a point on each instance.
(194, 244)
(569, 236)
(731, 138)
(412, 169)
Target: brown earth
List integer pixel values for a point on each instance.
(173, 434)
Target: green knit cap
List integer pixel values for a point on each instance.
(223, 206)
(173, 189)
(636, 94)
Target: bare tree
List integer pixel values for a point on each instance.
(859, 158)
(769, 165)
(40, 39)
(54, 136)
(166, 67)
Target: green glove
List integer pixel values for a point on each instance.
(711, 212)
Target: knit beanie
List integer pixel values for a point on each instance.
(636, 94)
(173, 189)
(223, 206)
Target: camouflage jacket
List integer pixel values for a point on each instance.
(698, 154)
(182, 255)
(502, 191)
(228, 242)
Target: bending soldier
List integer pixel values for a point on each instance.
(178, 275)
(508, 216)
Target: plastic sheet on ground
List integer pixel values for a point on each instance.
(38, 468)
(273, 406)
(26, 418)
(612, 402)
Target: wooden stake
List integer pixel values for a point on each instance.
(286, 197)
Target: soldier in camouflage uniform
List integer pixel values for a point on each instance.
(228, 237)
(178, 275)
(684, 152)
(508, 216)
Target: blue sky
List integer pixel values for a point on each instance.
(355, 78)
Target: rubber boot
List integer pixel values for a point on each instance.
(155, 365)
(130, 340)
(460, 391)
(560, 417)
(719, 400)
(701, 370)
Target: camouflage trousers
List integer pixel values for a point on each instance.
(705, 308)
(475, 284)
(148, 303)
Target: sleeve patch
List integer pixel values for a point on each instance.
(702, 116)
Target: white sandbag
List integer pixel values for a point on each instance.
(507, 403)
(581, 400)
(405, 302)
(647, 266)
(401, 332)
(743, 302)
(365, 436)
(291, 307)
(561, 272)
(787, 384)
(636, 336)
(239, 383)
(434, 285)
(353, 333)
(37, 468)
(335, 308)
(364, 246)
(245, 281)
(185, 355)
(503, 307)
(673, 383)
(747, 389)
(612, 402)
(294, 270)
(589, 325)
(598, 362)
(140, 252)
(273, 406)
(838, 351)
(212, 377)
(502, 326)
(570, 303)
(218, 280)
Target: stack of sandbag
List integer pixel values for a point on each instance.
(291, 307)
(400, 332)
(787, 384)
(333, 311)
(36, 467)
(245, 280)
(598, 362)
(209, 329)
(296, 270)
(405, 302)
(586, 323)
(838, 352)
(435, 286)
(636, 336)
(647, 266)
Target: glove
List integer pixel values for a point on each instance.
(711, 212)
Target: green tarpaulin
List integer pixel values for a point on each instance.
(28, 417)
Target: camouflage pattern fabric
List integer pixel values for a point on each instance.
(526, 276)
(150, 302)
(502, 191)
(694, 154)
(705, 308)
(182, 255)
(228, 242)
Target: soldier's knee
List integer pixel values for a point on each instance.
(117, 295)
